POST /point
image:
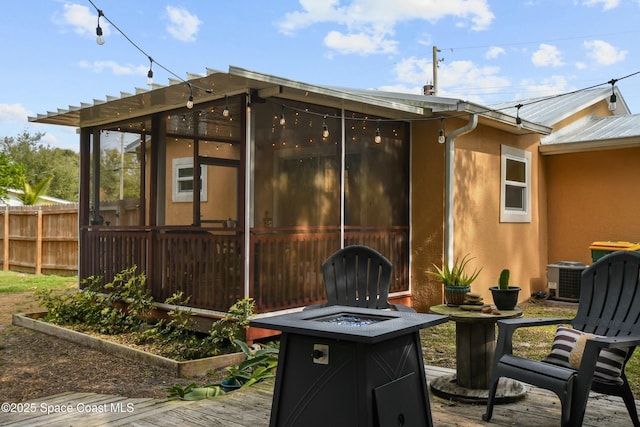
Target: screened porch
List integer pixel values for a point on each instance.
(242, 195)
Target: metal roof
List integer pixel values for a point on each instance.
(538, 115)
(217, 84)
(594, 133)
(550, 110)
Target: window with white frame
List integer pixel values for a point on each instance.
(515, 185)
(183, 180)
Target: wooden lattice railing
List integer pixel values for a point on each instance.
(207, 265)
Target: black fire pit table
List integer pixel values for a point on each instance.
(348, 366)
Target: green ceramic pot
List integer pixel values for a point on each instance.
(455, 295)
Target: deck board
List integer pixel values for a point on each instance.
(251, 407)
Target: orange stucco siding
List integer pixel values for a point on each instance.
(593, 196)
(520, 247)
(427, 211)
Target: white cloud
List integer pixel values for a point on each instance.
(606, 4)
(457, 79)
(413, 70)
(182, 24)
(547, 87)
(494, 52)
(360, 43)
(11, 113)
(375, 20)
(114, 67)
(50, 139)
(604, 53)
(547, 56)
(82, 20)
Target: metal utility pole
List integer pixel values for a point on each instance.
(435, 70)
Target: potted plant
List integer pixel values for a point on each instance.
(505, 297)
(456, 281)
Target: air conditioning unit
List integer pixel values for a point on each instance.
(563, 280)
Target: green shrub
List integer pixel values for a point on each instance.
(122, 309)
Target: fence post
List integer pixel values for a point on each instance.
(5, 263)
(39, 242)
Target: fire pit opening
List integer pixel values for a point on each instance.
(349, 319)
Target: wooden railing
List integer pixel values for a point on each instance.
(286, 265)
(287, 262)
(207, 264)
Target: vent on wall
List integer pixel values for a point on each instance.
(563, 280)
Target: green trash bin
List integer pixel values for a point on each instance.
(600, 249)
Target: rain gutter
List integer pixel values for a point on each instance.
(449, 184)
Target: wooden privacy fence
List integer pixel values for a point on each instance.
(40, 239)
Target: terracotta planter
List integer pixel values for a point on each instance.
(455, 295)
(505, 299)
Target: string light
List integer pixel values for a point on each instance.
(190, 101)
(325, 128)
(225, 112)
(612, 100)
(441, 137)
(283, 121)
(150, 73)
(100, 41)
(378, 138)
(99, 38)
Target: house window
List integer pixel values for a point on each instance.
(183, 180)
(515, 185)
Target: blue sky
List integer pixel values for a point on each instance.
(490, 50)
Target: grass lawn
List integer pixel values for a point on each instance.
(439, 342)
(17, 291)
(14, 283)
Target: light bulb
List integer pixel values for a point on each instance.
(282, 120)
(612, 102)
(441, 138)
(225, 112)
(518, 122)
(377, 139)
(99, 38)
(190, 102)
(150, 77)
(325, 130)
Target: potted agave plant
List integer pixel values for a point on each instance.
(456, 280)
(505, 297)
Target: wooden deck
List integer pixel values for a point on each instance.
(251, 407)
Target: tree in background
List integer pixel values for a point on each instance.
(119, 175)
(11, 174)
(40, 161)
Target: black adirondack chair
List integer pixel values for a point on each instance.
(609, 307)
(358, 276)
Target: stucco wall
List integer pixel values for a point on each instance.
(593, 196)
(520, 247)
(427, 211)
